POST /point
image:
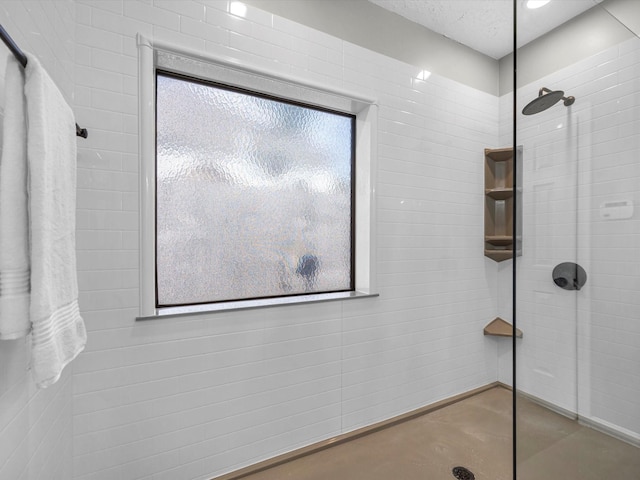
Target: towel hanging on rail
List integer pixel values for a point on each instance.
(14, 219)
(58, 331)
(38, 276)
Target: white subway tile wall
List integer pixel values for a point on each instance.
(576, 160)
(196, 397)
(36, 426)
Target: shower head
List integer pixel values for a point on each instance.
(546, 99)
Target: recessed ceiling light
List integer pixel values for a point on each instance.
(537, 3)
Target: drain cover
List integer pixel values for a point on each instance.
(462, 473)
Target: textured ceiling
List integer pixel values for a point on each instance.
(487, 25)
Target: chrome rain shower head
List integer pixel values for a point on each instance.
(546, 99)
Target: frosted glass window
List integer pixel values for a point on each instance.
(254, 195)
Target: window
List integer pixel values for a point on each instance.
(251, 194)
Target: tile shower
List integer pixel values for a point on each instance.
(196, 397)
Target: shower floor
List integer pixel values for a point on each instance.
(474, 433)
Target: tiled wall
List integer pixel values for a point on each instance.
(36, 425)
(195, 397)
(575, 160)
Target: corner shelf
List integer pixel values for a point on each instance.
(499, 203)
(500, 193)
(499, 255)
(501, 328)
(499, 154)
(499, 240)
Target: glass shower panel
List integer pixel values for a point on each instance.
(577, 282)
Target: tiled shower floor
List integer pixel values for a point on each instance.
(474, 433)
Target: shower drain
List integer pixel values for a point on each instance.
(462, 473)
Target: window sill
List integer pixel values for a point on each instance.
(167, 312)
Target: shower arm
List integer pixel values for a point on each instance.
(567, 100)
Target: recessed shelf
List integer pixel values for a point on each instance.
(500, 193)
(501, 328)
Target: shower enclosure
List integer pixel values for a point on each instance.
(576, 285)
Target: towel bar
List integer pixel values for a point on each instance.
(22, 58)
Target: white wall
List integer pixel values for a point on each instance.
(36, 425)
(195, 397)
(579, 38)
(576, 159)
(366, 24)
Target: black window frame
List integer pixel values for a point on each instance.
(245, 91)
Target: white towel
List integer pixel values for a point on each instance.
(58, 332)
(14, 220)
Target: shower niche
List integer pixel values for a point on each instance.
(499, 174)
